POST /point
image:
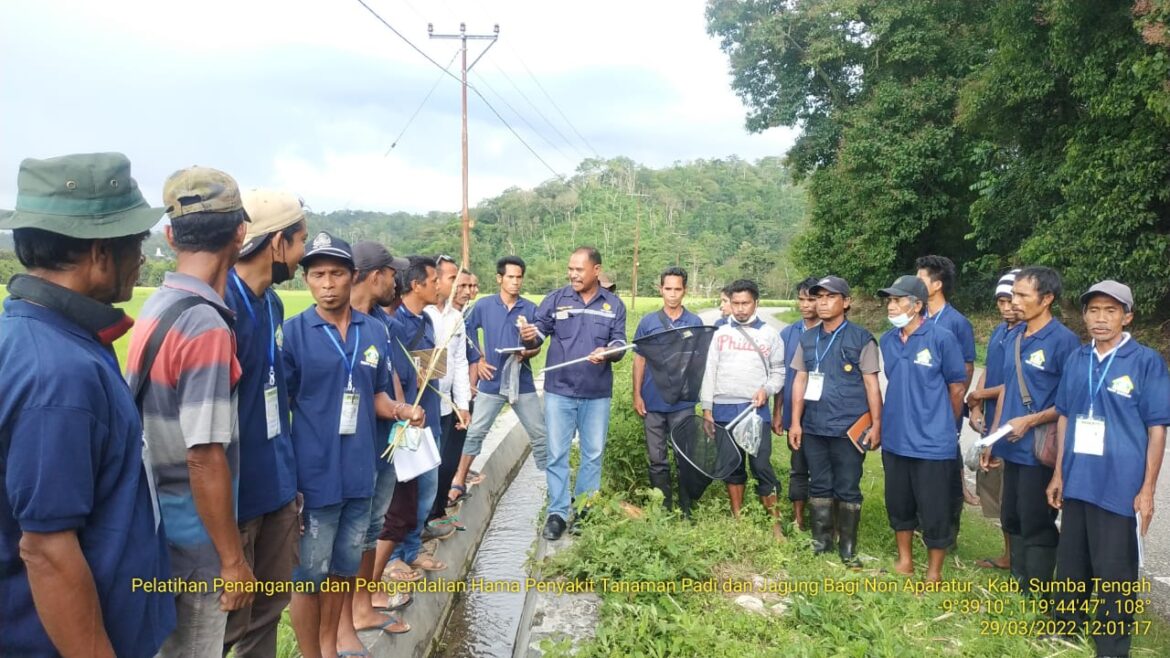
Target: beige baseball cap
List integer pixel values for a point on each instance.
(270, 211)
(200, 189)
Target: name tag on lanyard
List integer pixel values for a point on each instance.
(272, 405)
(815, 386)
(350, 401)
(1089, 436)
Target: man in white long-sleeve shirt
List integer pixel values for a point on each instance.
(745, 367)
(455, 385)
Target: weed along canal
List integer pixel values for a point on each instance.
(486, 616)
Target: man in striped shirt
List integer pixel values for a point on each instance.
(189, 408)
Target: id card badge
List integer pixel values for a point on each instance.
(815, 386)
(148, 468)
(349, 411)
(272, 405)
(1089, 436)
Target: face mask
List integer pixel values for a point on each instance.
(280, 272)
(900, 321)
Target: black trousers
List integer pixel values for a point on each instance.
(658, 427)
(798, 475)
(918, 496)
(761, 465)
(1096, 543)
(1024, 510)
(450, 452)
(834, 467)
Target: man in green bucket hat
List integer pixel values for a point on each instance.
(80, 539)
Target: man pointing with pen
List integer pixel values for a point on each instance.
(580, 320)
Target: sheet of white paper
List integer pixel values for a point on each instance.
(509, 350)
(994, 436)
(1140, 543)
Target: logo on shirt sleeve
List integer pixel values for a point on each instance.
(1122, 386)
(1036, 359)
(924, 358)
(370, 356)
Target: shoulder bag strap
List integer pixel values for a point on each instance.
(1024, 394)
(154, 343)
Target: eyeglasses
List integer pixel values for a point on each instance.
(444, 258)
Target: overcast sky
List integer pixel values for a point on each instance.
(309, 95)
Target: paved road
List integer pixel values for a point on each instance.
(1157, 542)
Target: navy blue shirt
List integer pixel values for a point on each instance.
(917, 419)
(652, 324)
(791, 337)
(997, 345)
(71, 459)
(573, 330)
(384, 425)
(404, 325)
(268, 468)
(499, 331)
(1042, 355)
(952, 320)
(1132, 397)
(332, 467)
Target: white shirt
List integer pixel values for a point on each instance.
(450, 332)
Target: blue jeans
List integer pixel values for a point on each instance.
(565, 416)
(428, 488)
(384, 482)
(528, 410)
(333, 540)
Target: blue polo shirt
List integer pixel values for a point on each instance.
(1043, 355)
(917, 418)
(499, 331)
(652, 324)
(404, 325)
(384, 425)
(997, 345)
(1133, 396)
(791, 337)
(268, 468)
(955, 322)
(574, 329)
(71, 459)
(332, 467)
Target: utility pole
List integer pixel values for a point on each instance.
(463, 36)
(637, 239)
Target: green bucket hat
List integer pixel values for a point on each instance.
(86, 196)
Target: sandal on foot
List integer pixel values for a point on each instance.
(462, 495)
(398, 601)
(989, 563)
(428, 563)
(398, 571)
(474, 478)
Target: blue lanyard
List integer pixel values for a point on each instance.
(818, 353)
(247, 299)
(1093, 391)
(938, 315)
(357, 337)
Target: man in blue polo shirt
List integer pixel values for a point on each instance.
(505, 372)
(580, 320)
(798, 477)
(1040, 348)
(920, 424)
(79, 521)
(1113, 413)
(658, 417)
(938, 273)
(266, 509)
(411, 331)
(338, 374)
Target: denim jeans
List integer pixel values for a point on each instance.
(384, 482)
(565, 416)
(528, 410)
(333, 540)
(428, 488)
(200, 629)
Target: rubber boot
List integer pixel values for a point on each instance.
(1040, 563)
(822, 524)
(661, 482)
(1019, 568)
(848, 518)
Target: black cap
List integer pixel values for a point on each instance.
(324, 244)
(368, 256)
(906, 286)
(832, 284)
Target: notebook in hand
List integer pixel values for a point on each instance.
(858, 432)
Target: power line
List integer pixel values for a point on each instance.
(516, 134)
(422, 104)
(521, 117)
(534, 106)
(532, 75)
(408, 41)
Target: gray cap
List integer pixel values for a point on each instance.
(832, 284)
(1111, 288)
(369, 256)
(906, 285)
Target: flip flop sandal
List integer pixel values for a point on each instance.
(463, 495)
(403, 574)
(391, 620)
(345, 654)
(399, 601)
(450, 520)
(430, 564)
(474, 478)
(989, 563)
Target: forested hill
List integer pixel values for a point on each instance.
(720, 219)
